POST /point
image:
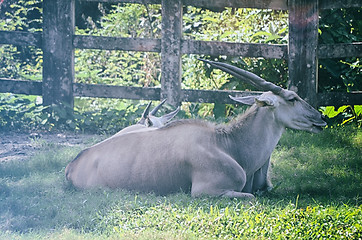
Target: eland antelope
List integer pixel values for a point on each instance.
(196, 156)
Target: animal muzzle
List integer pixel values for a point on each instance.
(320, 124)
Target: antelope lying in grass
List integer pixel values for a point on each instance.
(190, 155)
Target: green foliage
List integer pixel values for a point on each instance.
(106, 116)
(20, 112)
(93, 116)
(232, 25)
(343, 115)
(120, 67)
(117, 68)
(340, 26)
(21, 62)
(235, 25)
(23, 16)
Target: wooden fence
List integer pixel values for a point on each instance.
(58, 41)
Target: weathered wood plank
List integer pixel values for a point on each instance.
(340, 50)
(126, 1)
(117, 43)
(20, 86)
(220, 4)
(171, 51)
(187, 46)
(21, 38)
(262, 4)
(188, 95)
(303, 42)
(123, 92)
(58, 51)
(139, 93)
(278, 51)
(328, 4)
(214, 4)
(339, 99)
(234, 49)
(213, 96)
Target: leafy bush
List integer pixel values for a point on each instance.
(20, 112)
(235, 25)
(340, 26)
(343, 115)
(21, 62)
(27, 113)
(120, 67)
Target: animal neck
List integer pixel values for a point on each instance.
(252, 137)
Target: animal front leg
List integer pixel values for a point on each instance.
(234, 194)
(219, 184)
(261, 181)
(216, 190)
(248, 188)
(215, 173)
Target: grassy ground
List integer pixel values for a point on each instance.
(317, 195)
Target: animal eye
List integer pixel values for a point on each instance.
(292, 100)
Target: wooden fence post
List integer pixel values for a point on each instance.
(58, 53)
(171, 51)
(303, 43)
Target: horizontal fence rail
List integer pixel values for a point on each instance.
(124, 92)
(58, 47)
(21, 38)
(117, 43)
(278, 51)
(261, 4)
(138, 93)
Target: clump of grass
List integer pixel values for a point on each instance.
(327, 164)
(236, 219)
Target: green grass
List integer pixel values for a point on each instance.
(317, 195)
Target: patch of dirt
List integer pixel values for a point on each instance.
(20, 146)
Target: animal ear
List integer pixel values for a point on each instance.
(266, 100)
(167, 117)
(248, 100)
